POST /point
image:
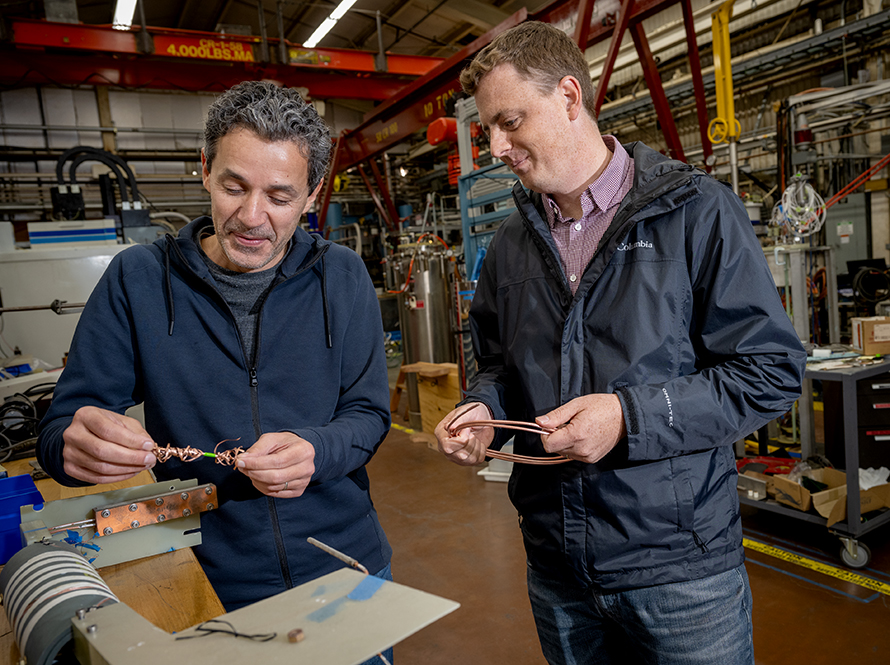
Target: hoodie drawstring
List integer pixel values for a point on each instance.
(324, 300)
(168, 283)
(171, 314)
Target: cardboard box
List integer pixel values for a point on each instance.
(830, 503)
(797, 496)
(871, 335)
(768, 482)
(438, 389)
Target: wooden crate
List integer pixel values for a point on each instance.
(438, 387)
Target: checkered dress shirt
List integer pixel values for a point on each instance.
(577, 240)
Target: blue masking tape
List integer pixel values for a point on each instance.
(366, 588)
(326, 612)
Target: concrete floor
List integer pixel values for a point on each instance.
(456, 535)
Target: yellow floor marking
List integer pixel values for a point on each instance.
(818, 566)
(407, 430)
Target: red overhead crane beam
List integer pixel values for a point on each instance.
(23, 67)
(76, 53)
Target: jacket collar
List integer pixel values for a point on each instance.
(304, 252)
(658, 180)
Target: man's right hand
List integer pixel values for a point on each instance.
(468, 446)
(104, 447)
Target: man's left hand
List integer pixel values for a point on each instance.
(279, 464)
(589, 427)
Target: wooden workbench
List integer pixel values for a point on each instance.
(170, 589)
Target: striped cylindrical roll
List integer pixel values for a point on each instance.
(42, 588)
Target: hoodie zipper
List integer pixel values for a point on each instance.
(280, 548)
(253, 382)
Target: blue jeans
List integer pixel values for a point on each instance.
(700, 622)
(385, 574)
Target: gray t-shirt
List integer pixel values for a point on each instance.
(244, 292)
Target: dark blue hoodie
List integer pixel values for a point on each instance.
(155, 330)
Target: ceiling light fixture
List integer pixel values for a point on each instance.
(328, 23)
(403, 171)
(123, 14)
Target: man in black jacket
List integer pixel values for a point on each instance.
(626, 306)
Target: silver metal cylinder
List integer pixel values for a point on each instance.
(464, 290)
(420, 272)
(43, 586)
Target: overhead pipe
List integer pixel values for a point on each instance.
(282, 42)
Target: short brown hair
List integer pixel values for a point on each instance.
(540, 53)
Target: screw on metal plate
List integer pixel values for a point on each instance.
(184, 496)
(81, 613)
(133, 507)
(106, 513)
(107, 531)
(134, 524)
(159, 501)
(92, 628)
(186, 512)
(209, 506)
(161, 518)
(208, 490)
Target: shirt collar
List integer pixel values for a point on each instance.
(602, 192)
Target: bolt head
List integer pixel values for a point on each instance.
(134, 524)
(159, 501)
(81, 613)
(208, 490)
(106, 513)
(133, 507)
(184, 496)
(186, 512)
(92, 628)
(108, 531)
(209, 506)
(161, 518)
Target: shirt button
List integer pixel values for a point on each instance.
(572, 278)
(578, 226)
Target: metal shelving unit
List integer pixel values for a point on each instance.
(853, 553)
(486, 200)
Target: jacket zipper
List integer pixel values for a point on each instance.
(280, 548)
(253, 383)
(700, 543)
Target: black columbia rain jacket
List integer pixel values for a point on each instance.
(678, 315)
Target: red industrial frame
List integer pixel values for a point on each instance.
(101, 55)
(209, 61)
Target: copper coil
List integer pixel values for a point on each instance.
(526, 459)
(517, 425)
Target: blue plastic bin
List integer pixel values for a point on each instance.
(15, 492)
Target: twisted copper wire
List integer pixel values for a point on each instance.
(518, 425)
(187, 454)
(228, 457)
(191, 454)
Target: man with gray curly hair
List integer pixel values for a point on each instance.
(244, 330)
